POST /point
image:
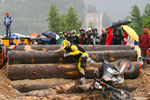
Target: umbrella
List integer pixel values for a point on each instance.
(52, 34)
(131, 32)
(119, 23)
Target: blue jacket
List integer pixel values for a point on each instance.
(7, 20)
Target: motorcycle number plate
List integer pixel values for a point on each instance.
(97, 85)
(110, 70)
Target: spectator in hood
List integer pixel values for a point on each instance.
(7, 23)
(75, 38)
(61, 38)
(103, 36)
(109, 36)
(83, 36)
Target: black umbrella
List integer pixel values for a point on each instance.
(119, 23)
(52, 34)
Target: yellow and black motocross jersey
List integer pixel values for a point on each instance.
(75, 50)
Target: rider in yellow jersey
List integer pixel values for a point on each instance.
(81, 55)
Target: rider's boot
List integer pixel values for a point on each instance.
(83, 84)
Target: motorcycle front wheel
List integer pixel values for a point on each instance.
(120, 94)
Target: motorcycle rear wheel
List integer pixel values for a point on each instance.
(120, 94)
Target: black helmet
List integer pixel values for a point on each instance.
(82, 29)
(94, 29)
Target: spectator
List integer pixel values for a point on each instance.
(69, 38)
(52, 40)
(61, 38)
(109, 36)
(114, 36)
(127, 40)
(65, 34)
(75, 38)
(7, 23)
(103, 36)
(83, 36)
(144, 43)
(40, 41)
(94, 38)
(11, 42)
(119, 38)
(88, 32)
(22, 42)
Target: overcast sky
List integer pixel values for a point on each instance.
(117, 9)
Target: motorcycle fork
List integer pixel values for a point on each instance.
(104, 92)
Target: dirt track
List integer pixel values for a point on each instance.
(139, 88)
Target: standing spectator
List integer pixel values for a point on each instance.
(40, 41)
(94, 38)
(109, 36)
(114, 36)
(7, 23)
(75, 38)
(69, 37)
(22, 42)
(88, 32)
(83, 37)
(52, 40)
(61, 38)
(119, 38)
(103, 36)
(65, 35)
(127, 40)
(144, 43)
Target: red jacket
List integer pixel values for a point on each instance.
(109, 37)
(144, 41)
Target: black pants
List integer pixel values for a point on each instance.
(8, 31)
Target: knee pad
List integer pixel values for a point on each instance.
(83, 59)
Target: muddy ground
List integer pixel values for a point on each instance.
(139, 88)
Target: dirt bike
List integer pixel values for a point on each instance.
(110, 78)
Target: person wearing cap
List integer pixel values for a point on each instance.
(40, 41)
(61, 38)
(75, 38)
(7, 23)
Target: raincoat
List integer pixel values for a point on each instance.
(109, 37)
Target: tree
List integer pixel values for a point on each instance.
(90, 24)
(137, 19)
(54, 19)
(146, 15)
(72, 20)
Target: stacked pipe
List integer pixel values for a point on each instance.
(44, 62)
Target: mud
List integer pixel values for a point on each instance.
(139, 88)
